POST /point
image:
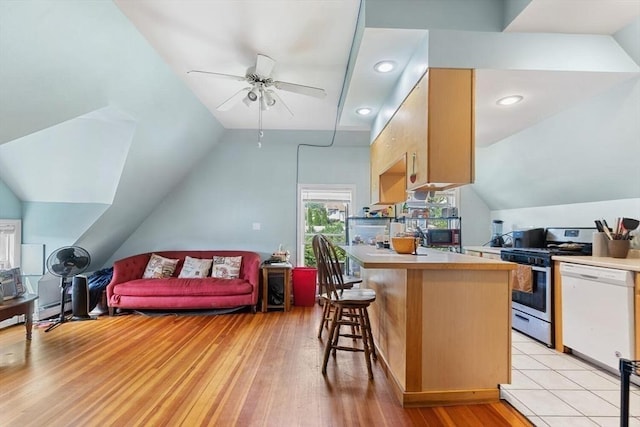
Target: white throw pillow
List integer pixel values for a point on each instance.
(159, 267)
(226, 267)
(195, 268)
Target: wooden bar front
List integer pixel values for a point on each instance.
(441, 323)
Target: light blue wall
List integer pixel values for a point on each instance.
(588, 153)
(57, 224)
(10, 205)
(238, 184)
(476, 15)
(61, 59)
(629, 39)
(512, 8)
(476, 217)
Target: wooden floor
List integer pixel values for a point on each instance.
(228, 370)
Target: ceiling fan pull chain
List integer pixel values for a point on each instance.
(260, 133)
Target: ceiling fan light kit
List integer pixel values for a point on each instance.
(260, 84)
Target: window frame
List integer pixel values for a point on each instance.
(300, 226)
(17, 243)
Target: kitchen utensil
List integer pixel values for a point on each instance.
(404, 245)
(618, 248)
(630, 224)
(599, 225)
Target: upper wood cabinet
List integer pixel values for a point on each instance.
(388, 168)
(445, 139)
(433, 131)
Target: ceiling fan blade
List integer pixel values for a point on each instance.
(264, 65)
(279, 101)
(316, 92)
(226, 76)
(233, 100)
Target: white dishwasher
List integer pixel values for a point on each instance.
(597, 313)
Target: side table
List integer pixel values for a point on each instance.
(16, 307)
(279, 269)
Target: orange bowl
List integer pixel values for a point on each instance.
(404, 245)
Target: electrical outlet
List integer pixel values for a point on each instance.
(256, 226)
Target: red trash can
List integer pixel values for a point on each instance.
(304, 286)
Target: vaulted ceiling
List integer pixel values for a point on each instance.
(316, 41)
(68, 67)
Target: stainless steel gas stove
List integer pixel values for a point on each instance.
(532, 312)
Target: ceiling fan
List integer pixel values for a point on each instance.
(261, 86)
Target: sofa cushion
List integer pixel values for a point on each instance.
(183, 287)
(159, 267)
(226, 267)
(195, 268)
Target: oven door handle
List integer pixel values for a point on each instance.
(542, 269)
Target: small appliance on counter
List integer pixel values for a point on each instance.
(532, 238)
(496, 234)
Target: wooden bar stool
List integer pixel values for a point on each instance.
(342, 282)
(349, 308)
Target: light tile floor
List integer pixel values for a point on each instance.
(554, 389)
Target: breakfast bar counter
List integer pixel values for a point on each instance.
(441, 323)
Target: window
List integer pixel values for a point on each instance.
(322, 209)
(10, 240)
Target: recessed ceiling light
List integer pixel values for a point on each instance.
(365, 111)
(509, 100)
(384, 66)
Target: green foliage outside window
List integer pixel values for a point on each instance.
(318, 222)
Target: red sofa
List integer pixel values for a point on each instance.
(128, 290)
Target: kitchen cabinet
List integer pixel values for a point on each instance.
(441, 136)
(388, 169)
(429, 140)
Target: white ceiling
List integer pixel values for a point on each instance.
(311, 41)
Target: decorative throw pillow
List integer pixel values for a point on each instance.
(159, 267)
(195, 268)
(226, 267)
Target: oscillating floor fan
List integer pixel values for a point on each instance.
(66, 263)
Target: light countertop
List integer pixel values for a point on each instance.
(427, 259)
(487, 249)
(631, 264)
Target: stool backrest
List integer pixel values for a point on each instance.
(330, 277)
